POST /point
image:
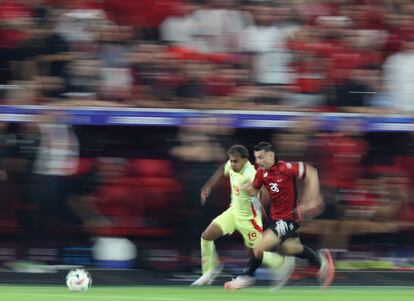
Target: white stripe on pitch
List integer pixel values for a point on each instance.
(85, 296)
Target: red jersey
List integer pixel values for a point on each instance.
(280, 182)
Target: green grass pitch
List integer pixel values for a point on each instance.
(168, 293)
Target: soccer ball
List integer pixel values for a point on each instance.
(78, 280)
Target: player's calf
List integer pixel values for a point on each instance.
(283, 274)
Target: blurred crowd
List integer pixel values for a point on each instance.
(325, 55)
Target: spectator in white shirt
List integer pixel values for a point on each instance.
(399, 77)
(265, 42)
(218, 27)
(177, 29)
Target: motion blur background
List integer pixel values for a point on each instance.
(114, 113)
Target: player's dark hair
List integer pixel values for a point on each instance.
(263, 146)
(239, 151)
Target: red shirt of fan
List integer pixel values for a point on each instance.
(280, 182)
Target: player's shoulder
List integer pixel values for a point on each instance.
(284, 166)
(249, 171)
(227, 168)
(297, 169)
(250, 166)
(259, 171)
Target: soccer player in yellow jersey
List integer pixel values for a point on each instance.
(243, 215)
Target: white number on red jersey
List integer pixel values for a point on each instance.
(274, 187)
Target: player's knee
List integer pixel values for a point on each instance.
(292, 249)
(206, 235)
(299, 249)
(212, 232)
(258, 253)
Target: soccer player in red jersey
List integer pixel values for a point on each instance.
(279, 179)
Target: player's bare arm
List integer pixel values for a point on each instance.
(211, 183)
(265, 202)
(311, 203)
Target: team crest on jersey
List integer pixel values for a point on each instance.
(265, 175)
(289, 165)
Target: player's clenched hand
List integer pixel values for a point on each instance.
(246, 186)
(249, 189)
(205, 192)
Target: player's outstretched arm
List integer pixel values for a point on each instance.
(211, 183)
(265, 201)
(311, 203)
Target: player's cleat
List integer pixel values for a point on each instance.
(207, 278)
(283, 274)
(326, 273)
(240, 282)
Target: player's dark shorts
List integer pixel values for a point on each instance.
(284, 229)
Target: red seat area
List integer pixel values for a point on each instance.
(85, 165)
(150, 168)
(406, 164)
(11, 205)
(140, 199)
(143, 202)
